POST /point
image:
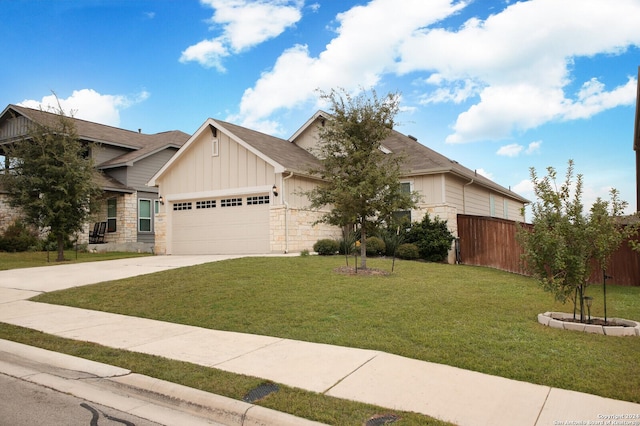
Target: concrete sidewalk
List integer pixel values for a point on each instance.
(459, 396)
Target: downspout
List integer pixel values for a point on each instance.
(464, 196)
(286, 214)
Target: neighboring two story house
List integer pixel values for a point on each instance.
(127, 159)
(230, 189)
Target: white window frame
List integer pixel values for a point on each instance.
(215, 147)
(410, 182)
(112, 218)
(150, 218)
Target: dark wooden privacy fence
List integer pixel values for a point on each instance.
(489, 241)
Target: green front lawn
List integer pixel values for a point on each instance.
(33, 259)
(310, 405)
(469, 317)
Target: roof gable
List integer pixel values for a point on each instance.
(280, 153)
(418, 158)
(141, 145)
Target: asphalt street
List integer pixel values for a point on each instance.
(23, 403)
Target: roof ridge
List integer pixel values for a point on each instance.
(94, 122)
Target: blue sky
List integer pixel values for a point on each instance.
(499, 86)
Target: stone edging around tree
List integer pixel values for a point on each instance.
(553, 319)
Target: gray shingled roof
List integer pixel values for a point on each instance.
(419, 159)
(141, 144)
(285, 153)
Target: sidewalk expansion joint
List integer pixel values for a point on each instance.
(351, 373)
(249, 352)
(544, 403)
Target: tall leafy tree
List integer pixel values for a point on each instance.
(51, 178)
(564, 241)
(362, 183)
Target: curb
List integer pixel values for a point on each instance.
(108, 385)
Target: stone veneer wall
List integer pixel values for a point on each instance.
(302, 234)
(442, 211)
(130, 217)
(160, 226)
(126, 226)
(126, 219)
(7, 213)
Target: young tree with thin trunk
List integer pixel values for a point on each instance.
(564, 241)
(361, 183)
(51, 179)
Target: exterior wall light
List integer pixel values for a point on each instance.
(274, 189)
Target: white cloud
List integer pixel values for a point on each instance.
(208, 53)
(521, 58)
(87, 104)
(524, 187)
(514, 65)
(512, 150)
(485, 173)
(592, 98)
(244, 24)
(456, 92)
(534, 147)
(365, 47)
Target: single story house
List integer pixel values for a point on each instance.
(127, 160)
(230, 189)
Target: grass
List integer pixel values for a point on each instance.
(469, 317)
(40, 258)
(301, 403)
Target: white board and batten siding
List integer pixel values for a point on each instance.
(218, 204)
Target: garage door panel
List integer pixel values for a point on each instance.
(221, 230)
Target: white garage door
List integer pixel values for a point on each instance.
(238, 225)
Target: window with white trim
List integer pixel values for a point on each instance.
(403, 216)
(259, 199)
(206, 204)
(230, 202)
(144, 215)
(112, 214)
(182, 206)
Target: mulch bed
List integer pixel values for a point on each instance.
(594, 321)
(350, 270)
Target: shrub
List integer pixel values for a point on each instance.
(348, 243)
(432, 237)
(18, 237)
(408, 251)
(304, 253)
(326, 247)
(375, 246)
